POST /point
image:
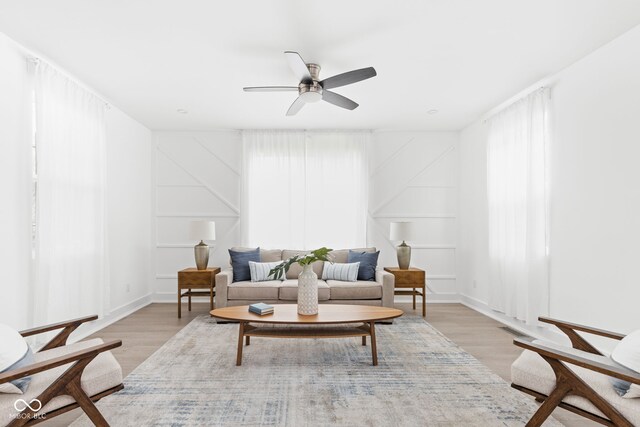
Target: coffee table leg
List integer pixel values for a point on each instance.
(374, 350)
(240, 339)
(248, 340)
(364, 340)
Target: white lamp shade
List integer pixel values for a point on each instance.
(202, 230)
(400, 231)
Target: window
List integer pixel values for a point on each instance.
(518, 200)
(303, 190)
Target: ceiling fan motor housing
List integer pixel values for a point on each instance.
(311, 91)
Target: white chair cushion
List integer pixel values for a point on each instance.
(627, 353)
(13, 349)
(533, 372)
(101, 374)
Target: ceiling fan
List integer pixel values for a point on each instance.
(311, 89)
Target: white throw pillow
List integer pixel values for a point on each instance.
(344, 272)
(260, 271)
(627, 354)
(14, 353)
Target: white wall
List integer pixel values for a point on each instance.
(595, 192)
(413, 177)
(15, 187)
(197, 176)
(129, 211)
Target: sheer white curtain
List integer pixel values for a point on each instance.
(304, 189)
(518, 208)
(71, 257)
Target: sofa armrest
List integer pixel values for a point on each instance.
(223, 280)
(388, 282)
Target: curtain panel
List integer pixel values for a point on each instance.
(304, 190)
(517, 170)
(70, 257)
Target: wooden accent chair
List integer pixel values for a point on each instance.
(576, 379)
(64, 377)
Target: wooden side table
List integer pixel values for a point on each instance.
(413, 278)
(192, 278)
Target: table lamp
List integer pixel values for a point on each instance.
(401, 231)
(202, 230)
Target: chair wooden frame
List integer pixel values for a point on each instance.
(68, 383)
(584, 355)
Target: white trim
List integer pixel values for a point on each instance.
(204, 184)
(391, 157)
(452, 247)
(403, 187)
(197, 215)
(114, 315)
(538, 332)
(447, 216)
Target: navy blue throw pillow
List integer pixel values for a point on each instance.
(368, 263)
(240, 263)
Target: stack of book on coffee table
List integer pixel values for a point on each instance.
(261, 308)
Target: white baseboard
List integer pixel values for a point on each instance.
(116, 314)
(537, 332)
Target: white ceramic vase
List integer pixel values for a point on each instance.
(307, 292)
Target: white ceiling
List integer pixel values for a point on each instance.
(461, 57)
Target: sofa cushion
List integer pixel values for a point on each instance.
(101, 374)
(368, 263)
(240, 263)
(336, 271)
(340, 290)
(289, 290)
(295, 269)
(260, 271)
(255, 291)
(266, 255)
(342, 255)
(533, 372)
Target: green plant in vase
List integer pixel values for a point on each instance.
(321, 254)
(307, 280)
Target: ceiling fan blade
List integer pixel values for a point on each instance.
(270, 89)
(296, 106)
(298, 66)
(339, 100)
(348, 78)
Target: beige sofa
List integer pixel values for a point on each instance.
(230, 293)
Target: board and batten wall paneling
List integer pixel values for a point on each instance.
(197, 177)
(414, 178)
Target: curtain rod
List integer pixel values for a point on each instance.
(508, 103)
(36, 60)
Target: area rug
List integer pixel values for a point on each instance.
(423, 379)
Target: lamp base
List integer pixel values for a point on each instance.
(404, 256)
(201, 251)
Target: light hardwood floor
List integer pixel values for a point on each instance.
(144, 331)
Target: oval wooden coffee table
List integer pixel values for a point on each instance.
(332, 321)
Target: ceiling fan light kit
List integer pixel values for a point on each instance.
(312, 89)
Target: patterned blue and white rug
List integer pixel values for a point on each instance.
(423, 379)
